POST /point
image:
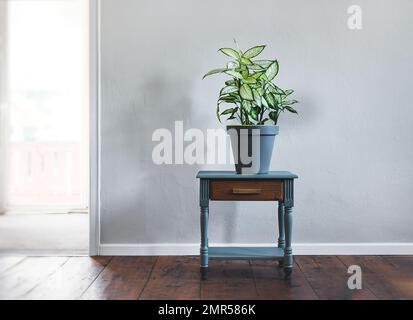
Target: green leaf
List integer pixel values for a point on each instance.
(228, 111)
(234, 74)
(264, 77)
(246, 105)
(245, 73)
(279, 90)
(273, 88)
(270, 88)
(232, 65)
(249, 92)
(273, 116)
(256, 67)
(264, 102)
(230, 83)
(263, 63)
(290, 109)
(246, 61)
(272, 70)
(233, 112)
(230, 53)
(270, 99)
(228, 89)
(250, 80)
(227, 99)
(235, 96)
(246, 92)
(217, 113)
(289, 102)
(257, 97)
(256, 75)
(253, 52)
(215, 71)
(254, 113)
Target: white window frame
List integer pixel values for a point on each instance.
(94, 127)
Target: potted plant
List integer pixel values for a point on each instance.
(252, 100)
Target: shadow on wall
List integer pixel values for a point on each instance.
(170, 192)
(142, 202)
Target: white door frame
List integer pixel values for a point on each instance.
(94, 127)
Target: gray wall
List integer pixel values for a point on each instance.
(352, 144)
(3, 99)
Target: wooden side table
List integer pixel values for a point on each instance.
(229, 186)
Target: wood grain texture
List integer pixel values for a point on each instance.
(17, 281)
(229, 280)
(8, 262)
(328, 277)
(174, 278)
(70, 280)
(251, 190)
(402, 279)
(387, 277)
(123, 279)
(314, 277)
(271, 284)
(375, 271)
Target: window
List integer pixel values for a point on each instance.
(45, 115)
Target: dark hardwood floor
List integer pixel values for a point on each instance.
(170, 277)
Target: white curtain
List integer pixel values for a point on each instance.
(3, 106)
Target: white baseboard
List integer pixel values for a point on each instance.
(367, 248)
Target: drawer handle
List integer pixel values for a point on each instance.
(246, 191)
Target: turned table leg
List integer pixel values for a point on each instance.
(281, 238)
(204, 204)
(204, 242)
(288, 251)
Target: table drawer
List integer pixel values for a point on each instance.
(251, 190)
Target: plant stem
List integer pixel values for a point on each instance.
(261, 115)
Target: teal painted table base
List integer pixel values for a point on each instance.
(253, 188)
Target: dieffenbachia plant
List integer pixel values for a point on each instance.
(251, 96)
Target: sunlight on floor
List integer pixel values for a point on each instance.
(44, 234)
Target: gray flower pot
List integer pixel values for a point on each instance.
(252, 147)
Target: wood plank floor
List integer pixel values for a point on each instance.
(170, 277)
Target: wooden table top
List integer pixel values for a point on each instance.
(232, 175)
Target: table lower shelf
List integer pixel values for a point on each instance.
(245, 253)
